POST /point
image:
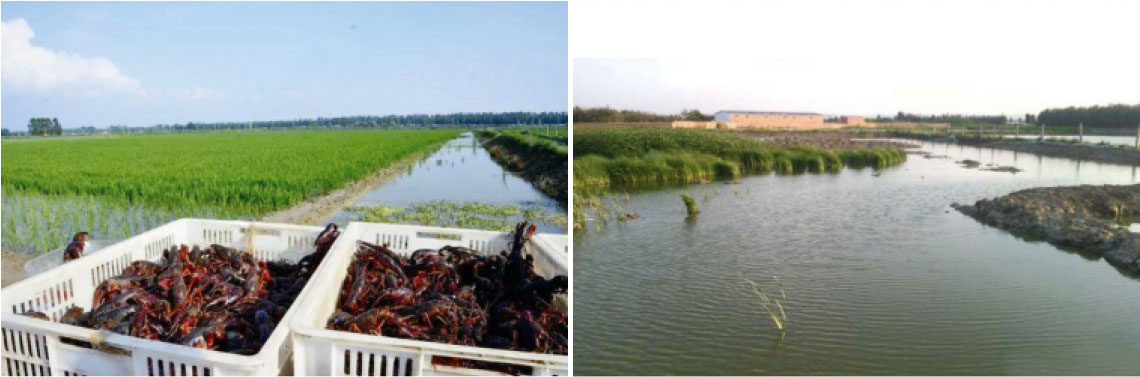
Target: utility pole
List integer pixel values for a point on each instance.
(1081, 132)
(1042, 131)
(1138, 136)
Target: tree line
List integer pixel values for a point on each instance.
(390, 121)
(953, 119)
(608, 115)
(1111, 116)
(44, 126)
(50, 126)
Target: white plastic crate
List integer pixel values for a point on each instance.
(556, 241)
(319, 351)
(35, 347)
(54, 258)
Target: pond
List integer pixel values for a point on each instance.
(461, 171)
(881, 277)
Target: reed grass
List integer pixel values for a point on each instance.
(690, 204)
(644, 157)
(770, 305)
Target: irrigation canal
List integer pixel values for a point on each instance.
(460, 171)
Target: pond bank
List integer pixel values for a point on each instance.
(1123, 155)
(541, 165)
(1093, 219)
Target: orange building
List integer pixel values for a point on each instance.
(852, 120)
(767, 119)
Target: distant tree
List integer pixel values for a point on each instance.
(3, 132)
(44, 126)
(608, 115)
(694, 114)
(1111, 116)
(1030, 118)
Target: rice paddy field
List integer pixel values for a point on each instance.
(115, 187)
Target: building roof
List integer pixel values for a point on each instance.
(764, 112)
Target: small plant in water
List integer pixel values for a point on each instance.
(772, 306)
(690, 204)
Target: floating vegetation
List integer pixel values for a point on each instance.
(773, 306)
(469, 215)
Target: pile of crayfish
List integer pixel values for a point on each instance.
(454, 295)
(218, 298)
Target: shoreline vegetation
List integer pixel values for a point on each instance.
(540, 159)
(451, 214)
(1092, 219)
(614, 159)
(627, 158)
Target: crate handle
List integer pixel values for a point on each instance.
(97, 342)
(440, 235)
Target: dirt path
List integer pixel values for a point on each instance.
(310, 211)
(13, 266)
(1112, 155)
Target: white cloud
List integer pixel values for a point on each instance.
(30, 67)
(198, 94)
(868, 57)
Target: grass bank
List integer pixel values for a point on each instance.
(609, 159)
(621, 158)
(540, 159)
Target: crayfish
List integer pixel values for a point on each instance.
(215, 297)
(454, 295)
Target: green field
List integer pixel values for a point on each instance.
(118, 186)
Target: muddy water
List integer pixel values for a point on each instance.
(881, 277)
(461, 171)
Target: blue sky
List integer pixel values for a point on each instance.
(147, 63)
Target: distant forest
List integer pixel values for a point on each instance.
(1111, 116)
(608, 115)
(361, 121)
(953, 119)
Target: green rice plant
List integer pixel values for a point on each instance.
(119, 186)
